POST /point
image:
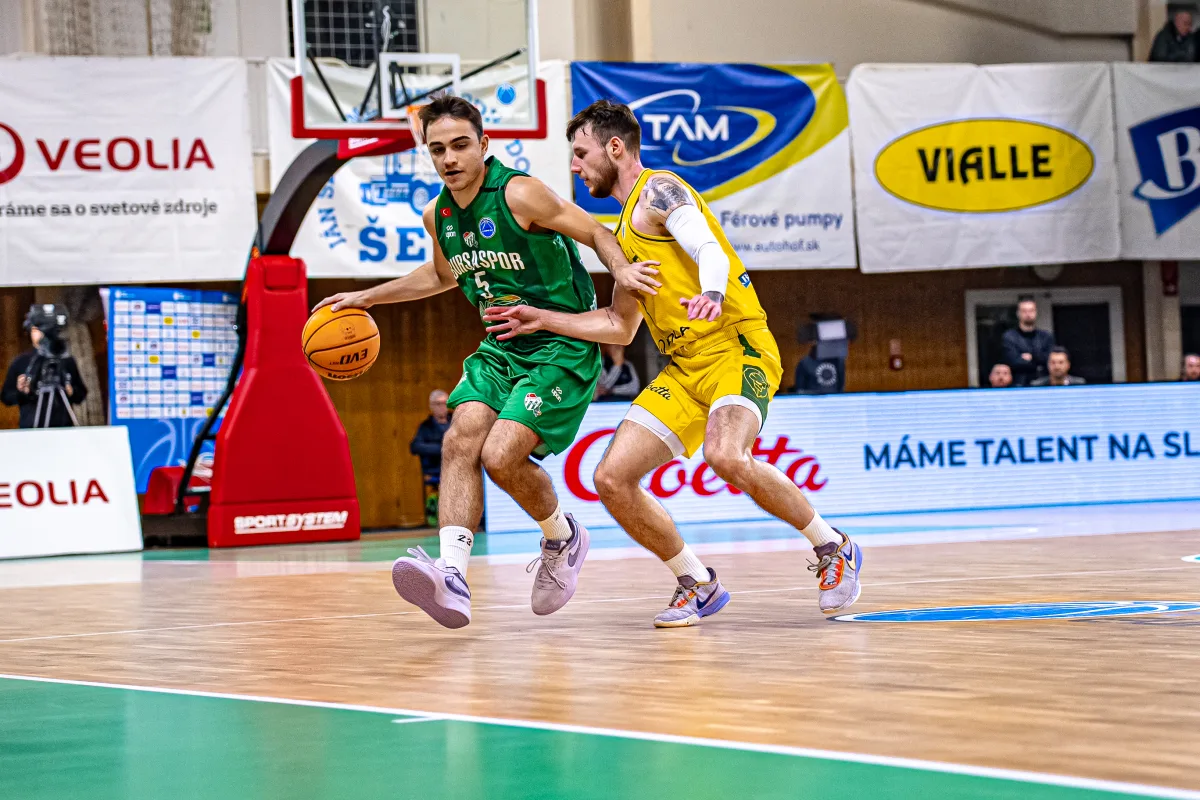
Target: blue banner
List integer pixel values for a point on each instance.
(169, 356)
(766, 146)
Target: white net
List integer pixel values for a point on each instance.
(125, 27)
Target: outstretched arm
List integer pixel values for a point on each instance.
(432, 277)
(666, 203)
(616, 324)
(533, 203)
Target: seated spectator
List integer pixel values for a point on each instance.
(618, 379)
(1060, 368)
(1000, 377)
(1175, 43)
(1191, 368)
(820, 375)
(1027, 349)
(427, 444)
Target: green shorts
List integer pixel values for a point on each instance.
(546, 388)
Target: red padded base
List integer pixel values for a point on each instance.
(281, 444)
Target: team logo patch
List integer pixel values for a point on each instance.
(756, 381)
(557, 392)
(1024, 611)
(1168, 156)
(533, 403)
(744, 280)
(469, 238)
(487, 228)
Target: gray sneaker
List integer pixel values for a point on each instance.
(692, 601)
(837, 571)
(438, 590)
(558, 572)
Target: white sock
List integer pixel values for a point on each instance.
(556, 528)
(820, 532)
(456, 547)
(688, 563)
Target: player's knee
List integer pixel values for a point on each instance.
(462, 445)
(498, 460)
(730, 463)
(609, 482)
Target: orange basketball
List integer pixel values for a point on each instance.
(340, 345)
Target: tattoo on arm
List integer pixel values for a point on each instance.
(716, 297)
(664, 195)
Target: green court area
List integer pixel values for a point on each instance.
(77, 741)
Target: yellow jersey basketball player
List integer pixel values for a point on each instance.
(723, 373)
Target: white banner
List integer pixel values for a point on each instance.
(366, 223)
(124, 170)
(67, 490)
(920, 451)
(1158, 149)
(965, 166)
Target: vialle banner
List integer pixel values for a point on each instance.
(1158, 146)
(124, 170)
(767, 146)
(920, 451)
(964, 166)
(366, 222)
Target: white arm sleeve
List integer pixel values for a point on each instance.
(689, 227)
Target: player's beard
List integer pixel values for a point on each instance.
(606, 179)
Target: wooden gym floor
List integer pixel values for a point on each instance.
(296, 672)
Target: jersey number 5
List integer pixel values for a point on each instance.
(484, 288)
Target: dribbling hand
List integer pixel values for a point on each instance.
(345, 300)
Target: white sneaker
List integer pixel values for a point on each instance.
(558, 573)
(438, 590)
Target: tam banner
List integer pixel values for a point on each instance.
(170, 352)
(768, 147)
(964, 166)
(909, 452)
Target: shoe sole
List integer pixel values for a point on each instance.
(418, 588)
(694, 619)
(587, 543)
(831, 611)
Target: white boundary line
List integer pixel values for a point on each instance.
(993, 773)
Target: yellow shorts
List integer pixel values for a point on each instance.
(744, 370)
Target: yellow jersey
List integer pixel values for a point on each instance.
(680, 277)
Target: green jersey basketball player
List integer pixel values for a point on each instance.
(504, 238)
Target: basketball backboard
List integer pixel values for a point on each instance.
(360, 64)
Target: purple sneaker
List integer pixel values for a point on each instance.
(558, 572)
(438, 590)
(693, 601)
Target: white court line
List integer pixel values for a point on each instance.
(519, 606)
(994, 773)
(416, 719)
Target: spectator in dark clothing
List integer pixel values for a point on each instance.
(1060, 370)
(20, 390)
(1000, 376)
(1026, 349)
(1191, 368)
(618, 378)
(1176, 42)
(820, 375)
(427, 444)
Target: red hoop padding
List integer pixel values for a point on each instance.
(281, 470)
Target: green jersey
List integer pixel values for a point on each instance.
(499, 263)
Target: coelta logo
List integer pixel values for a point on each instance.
(12, 153)
(1168, 156)
(984, 166)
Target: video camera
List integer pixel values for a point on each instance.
(45, 372)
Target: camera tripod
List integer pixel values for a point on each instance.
(49, 391)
